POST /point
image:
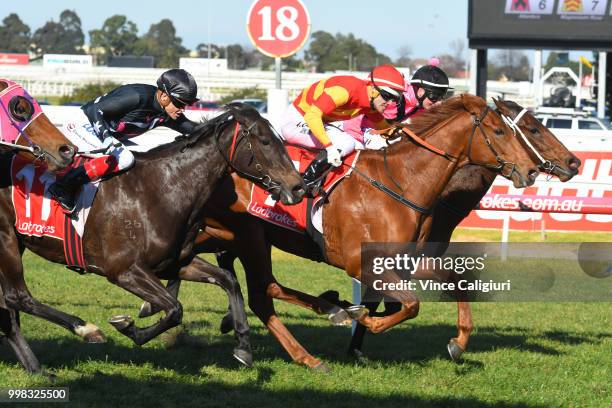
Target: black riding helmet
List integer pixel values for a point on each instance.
(180, 86)
(433, 80)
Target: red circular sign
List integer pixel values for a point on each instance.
(278, 28)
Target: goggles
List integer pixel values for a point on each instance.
(435, 95)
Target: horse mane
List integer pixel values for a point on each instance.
(429, 119)
(205, 129)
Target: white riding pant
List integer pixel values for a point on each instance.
(81, 133)
(295, 131)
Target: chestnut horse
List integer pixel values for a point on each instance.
(463, 192)
(143, 223)
(26, 130)
(463, 127)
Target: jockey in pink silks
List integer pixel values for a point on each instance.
(425, 89)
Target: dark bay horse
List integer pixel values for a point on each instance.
(143, 224)
(464, 127)
(24, 128)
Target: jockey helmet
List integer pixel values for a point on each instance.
(388, 81)
(180, 86)
(433, 79)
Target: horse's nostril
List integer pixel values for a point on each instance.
(574, 163)
(67, 151)
(298, 190)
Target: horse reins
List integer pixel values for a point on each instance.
(423, 143)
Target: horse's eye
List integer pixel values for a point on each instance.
(534, 130)
(498, 132)
(265, 142)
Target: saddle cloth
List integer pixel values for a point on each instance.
(295, 217)
(38, 215)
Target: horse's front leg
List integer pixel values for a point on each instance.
(408, 299)
(9, 324)
(18, 297)
(201, 271)
(456, 345)
(141, 281)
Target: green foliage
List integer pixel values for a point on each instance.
(89, 92)
(341, 52)
(512, 65)
(162, 43)
(64, 37)
(244, 93)
(116, 37)
(14, 35)
(553, 60)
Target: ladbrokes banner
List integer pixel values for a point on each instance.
(594, 180)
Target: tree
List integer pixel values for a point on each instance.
(236, 57)
(329, 53)
(512, 65)
(162, 43)
(215, 51)
(73, 33)
(14, 35)
(116, 37)
(404, 53)
(89, 92)
(554, 60)
(65, 37)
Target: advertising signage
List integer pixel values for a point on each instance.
(558, 24)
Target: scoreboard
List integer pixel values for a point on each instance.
(556, 24)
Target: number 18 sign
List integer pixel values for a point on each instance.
(278, 28)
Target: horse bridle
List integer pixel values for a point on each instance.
(546, 165)
(38, 152)
(502, 164)
(244, 134)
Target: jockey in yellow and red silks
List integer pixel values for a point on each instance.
(314, 118)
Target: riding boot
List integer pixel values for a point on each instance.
(314, 172)
(64, 189)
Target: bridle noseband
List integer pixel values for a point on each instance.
(240, 135)
(546, 165)
(502, 164)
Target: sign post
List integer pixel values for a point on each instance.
(278, 28)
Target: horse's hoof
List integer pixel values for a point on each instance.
(359, 357)
(95, 337)
(245, 357)
(322, 368)
(48, 375)
(340, 318)
(121, 322)
(227, 324)
(90, 333)
(146, 310)
(455, 350)
(357, 311)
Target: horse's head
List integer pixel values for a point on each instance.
(492, 144)
(25, 126)
(552, 156)
(257, 153)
